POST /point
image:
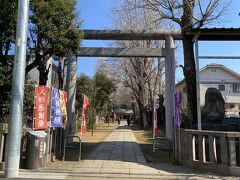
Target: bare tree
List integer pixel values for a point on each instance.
(143, 76)
(122, 97)
(187, 14)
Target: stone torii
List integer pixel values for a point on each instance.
(167, 53)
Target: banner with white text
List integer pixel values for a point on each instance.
(41, 107)
(56, 120)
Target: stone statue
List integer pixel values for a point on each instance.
(213, 111)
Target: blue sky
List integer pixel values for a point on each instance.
(94, 14)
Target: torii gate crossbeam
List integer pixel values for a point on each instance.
(121, 52)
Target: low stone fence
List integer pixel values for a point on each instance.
(209, 150)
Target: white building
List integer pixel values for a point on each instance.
(221, 78)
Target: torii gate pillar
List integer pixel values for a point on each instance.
(71, 90)
(170, 86)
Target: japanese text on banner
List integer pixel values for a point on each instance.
(63, 103)
(178, 111)
(41, 109)
(56, 110)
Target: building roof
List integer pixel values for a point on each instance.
(214, 65)
(180, 82)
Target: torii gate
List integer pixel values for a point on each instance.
(167, 53)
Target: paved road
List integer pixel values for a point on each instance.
(117, 157)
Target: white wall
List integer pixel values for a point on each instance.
(217, 75)
(228, 95)
(213, 77)
(34, 75)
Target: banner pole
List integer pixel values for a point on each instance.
(49, 127)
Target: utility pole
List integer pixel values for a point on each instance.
(16, 108)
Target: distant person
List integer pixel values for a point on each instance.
(119, 120)
(128, 121)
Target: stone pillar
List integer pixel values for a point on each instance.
(71, 90)
(170, 86)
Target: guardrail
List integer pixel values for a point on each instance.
(209, 150)
(70, 145)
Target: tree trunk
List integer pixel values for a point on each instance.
(142, 114)
(134, 111)
(3, 57)
(189, 63)
(43, 73)
(60, 76)
(190, 78)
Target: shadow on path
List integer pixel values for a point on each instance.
(120, 153)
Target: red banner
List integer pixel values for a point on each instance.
(155, 127)
(41, 107)
(85, 109)
(65, 97)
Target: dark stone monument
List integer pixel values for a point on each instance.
(213, 111)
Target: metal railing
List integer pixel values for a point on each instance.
(161, 144)
(71, 145)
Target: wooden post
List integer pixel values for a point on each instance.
(170, 86)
